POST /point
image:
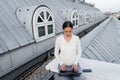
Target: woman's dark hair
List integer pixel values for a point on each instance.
(67, 24)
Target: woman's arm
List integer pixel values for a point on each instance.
(56, 51)
(79, 52)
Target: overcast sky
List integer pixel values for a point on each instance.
(106, 5)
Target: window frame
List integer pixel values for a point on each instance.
(45, 23)
(44, 31)
(87, 15)
(74, 17)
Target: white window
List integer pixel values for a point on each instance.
(87, 17)
(93, 16)
(75, 18)
(43, 24)
(81, 17)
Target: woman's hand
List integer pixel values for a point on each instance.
(75, 68)
(63, 67)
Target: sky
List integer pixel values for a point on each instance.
(106, 5)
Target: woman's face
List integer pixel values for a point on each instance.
(67, 31)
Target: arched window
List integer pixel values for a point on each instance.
(87, 17)
(93, 16)
(75, 18)
(43, 24)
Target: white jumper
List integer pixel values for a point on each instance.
(68, 53)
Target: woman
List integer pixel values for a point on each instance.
(68, 50)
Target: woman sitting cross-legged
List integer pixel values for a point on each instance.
(68, 50)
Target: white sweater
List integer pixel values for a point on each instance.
(67, 53)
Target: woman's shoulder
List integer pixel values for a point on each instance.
(59, 37)
(75, 36)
